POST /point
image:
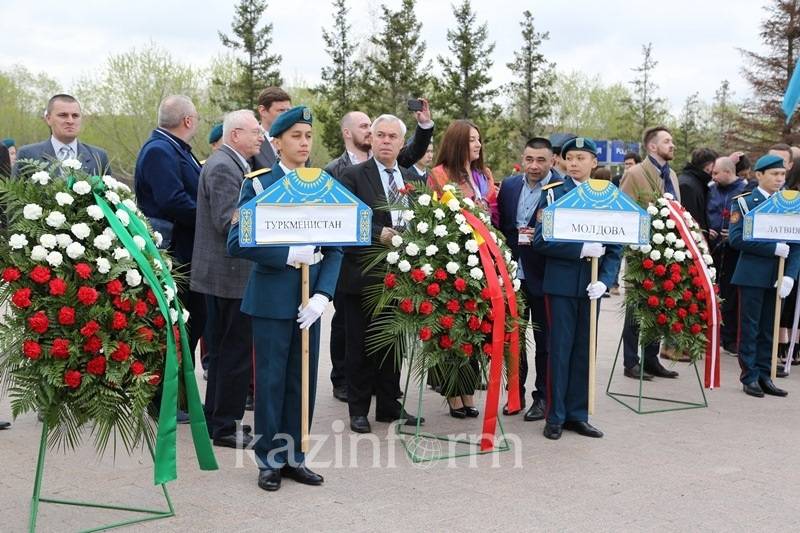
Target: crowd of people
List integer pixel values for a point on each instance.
(244, 303)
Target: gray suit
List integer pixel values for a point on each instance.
(214, 272)
(93, 159)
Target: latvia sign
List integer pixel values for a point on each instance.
(777, 219)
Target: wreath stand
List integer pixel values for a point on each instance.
(413, 446)
(674, 405)
(36, 499)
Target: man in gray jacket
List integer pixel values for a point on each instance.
(223, 278)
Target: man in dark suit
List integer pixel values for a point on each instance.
(222, 279)
(357, 137)
(272, 101)
(373, 181)
(63, 116)
(517, 201)
(165, 180)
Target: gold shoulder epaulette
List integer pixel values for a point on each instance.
(253, 174)
(742, 195)
(551, 185)
(203, 162)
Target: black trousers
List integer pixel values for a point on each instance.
(367, 372)
(337, 344)
(230, 365)
(630, 343)
(725, 259)
(536, 313)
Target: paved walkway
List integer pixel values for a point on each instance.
(733, 466)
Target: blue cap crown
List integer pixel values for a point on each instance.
(296, 115)
(583, 144)
(215, 134)
(766, 162)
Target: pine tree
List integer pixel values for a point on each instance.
(688, 134)
(724, 113)
(396, 69)
(644, 108)
(532, 90)
(259, 67)
(464, 87)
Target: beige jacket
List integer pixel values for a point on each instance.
(643, 183)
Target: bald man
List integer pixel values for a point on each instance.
(725, 187)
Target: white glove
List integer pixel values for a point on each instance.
(596, 290)
(312, 311)
(300, 254)
(782, 249)
(592, 249)
(784, 286)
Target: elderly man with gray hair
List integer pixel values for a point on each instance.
(222, 279)
(165, 180)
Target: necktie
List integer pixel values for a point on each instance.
(394, 192)
(65, 152)
(667, 181)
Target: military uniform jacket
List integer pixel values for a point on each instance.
(758, 264)
(565, 273)
(273, 289)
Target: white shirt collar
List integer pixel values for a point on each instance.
(285, 169)
(764, 193)
(244, 162)
(382, 168)
(57, 145)
(354, 158)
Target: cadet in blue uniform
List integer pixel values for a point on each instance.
(755, 274)
(568, 289)
(272, 298)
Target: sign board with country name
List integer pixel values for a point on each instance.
(777, 219)
(596, 211)
(305, 207)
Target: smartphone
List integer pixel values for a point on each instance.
(415, 104)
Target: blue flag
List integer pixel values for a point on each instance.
(792, 95)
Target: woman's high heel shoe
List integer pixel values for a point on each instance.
(461, 412)
(471, 412)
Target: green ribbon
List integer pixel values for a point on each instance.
(166, 441)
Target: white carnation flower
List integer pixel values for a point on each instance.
(102, 242)
(407, 215)
(103, 265)
(476, 273)
(670, 224)
(431, 250)
(507, 256)
(493, 235)
(55, 219)
(512, 266)
(469, 203)
(32, 211)
(64, 240)
(645, 249)
(55, 259)
(689, 254)
(664, 211)
(108, 232)
(679, 256)
(452, 248)
(397, 240)
(123, 188)
(130, 204)
(661, 201)
(95, 212)
(658, 224)
(81, 187)
(517, 284)
(466, 229)
(708, 259)
(157, 265)
(412, 249)
(17, 241)
(688, 217)
(75, 250)
(404, 266)
(48, 240)
(133, 278)
(668, 253)
(713, 272)
(41, 177)
(427, 268)
(158, 238)
(668, 196)
(440, 230)
(680, 244)
(439, 214)
(471, 246)
(449, 187)
(422, 227)
(71, 163)
(173, 315)
(424, 199)
(121, 253)
(671, 237)
(392, 258)
(460, 219)
(140, 242)
(80, 230)
(63, 199)
(658, 238)
(185, 315)
(453, 205)
(38, 253)
(634, 247)
(110, 182)
(112, 197)
(483, 216)
(169, 293)
(655, 255)
(472, 260)
(123, 217)
(451, 267)
(652, 210)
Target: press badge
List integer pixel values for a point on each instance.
(525, 234)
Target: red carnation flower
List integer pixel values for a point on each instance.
(87, 295)
(57, 287)
(122, 352)
(647, 264)
(90, 328)
(40, 274)
(490, 315)
(445, 342)
(474, 323)
(701, 295)
(677, 327)
(486, 326)
(703, 316)
(123, 305)
(471, 306)
(38, 322)
(140, 308)
(460, 285)
(66, 316)
(660, 271)
(440, 274)
(697, 281)
(487, 348)
(72, 379)
(407, 306)
(648, 284)
(674, 268)
(145, 333)
(676, 278)
(433, 289)
(453, 306)
(693, 308)
(417, 275)
(486, 294)
(114, 287)
(151, 297)
(31, 349)
(11, 274)
(425, 333)
(668, 285)
(467, 349)
(661, 319)
(155, 379)
(682, 313)
(695, 329)
(390, 280)
(60, 348)
(426, 308)
(446, 321)
(669, 302)
(159, 321)
(653, 301)
(119, 321)
(96, 365)
(687, 295)
(21, 298)
(93, 344)
(692, 271)
(83, 270)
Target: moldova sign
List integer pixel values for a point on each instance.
(596, 211)
(777, 219)
(307, 206)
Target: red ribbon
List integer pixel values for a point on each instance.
(712, 379)
(493, 263)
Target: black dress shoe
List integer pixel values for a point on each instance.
(270, 479)
(753, 389)
(408, 420)
(302, 474)
(769, 388)
(233, 440)
(471, 411)
(633, 373)
(360, 424)
(4, 424)
(512, 413)
(250, 402)
(340, 393)
(583, 428)
(536, 412)
(781, 373)
(458, 413)
(552, 431)
(657, 369)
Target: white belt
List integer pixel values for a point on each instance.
(317, 258)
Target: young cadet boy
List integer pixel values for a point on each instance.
(568, 290)
(272, 298)
(756, 276)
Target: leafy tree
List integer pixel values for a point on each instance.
(724, 114)
(644, 107)
(691, 131)
(23, 96)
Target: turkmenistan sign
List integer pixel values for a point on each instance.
(777, 219)
(596, 211)
(306, 206)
